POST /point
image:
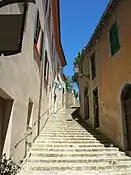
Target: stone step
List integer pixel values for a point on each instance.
(66, 167)
(61, 164)
(71, 141)
(75, 154)
(65, 134)
(71, 132)
(69, 137)
(77, 159)
(73, 149)
(81, 172)
(70, 145)
(68, 129)
(72, 136)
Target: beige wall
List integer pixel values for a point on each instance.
(113, 73)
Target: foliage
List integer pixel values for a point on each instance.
(74, 78)
(77, 59)
(7, 166)
(69, 85)
(76, 94)
(76, 63)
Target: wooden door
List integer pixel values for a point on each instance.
(127, 107)
(96, 108)
(86, 107)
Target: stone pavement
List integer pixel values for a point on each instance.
(66, 147)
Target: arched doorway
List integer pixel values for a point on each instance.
(126, 110)
(86, 104)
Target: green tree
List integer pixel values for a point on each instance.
(77, 59)
(74, 78)
(69, 84)
(76, 63)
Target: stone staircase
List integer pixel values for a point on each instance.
(65, 147)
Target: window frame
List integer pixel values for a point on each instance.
(46, 67)
(93, 66)
(37, 27)
(116, 39)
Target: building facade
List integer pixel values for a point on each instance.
(31, 59)
(105, 79)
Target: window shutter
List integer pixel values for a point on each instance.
(36, 27)
(114, 39)
(41, 45)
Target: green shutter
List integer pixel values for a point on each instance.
(41, 45)
(36, 27)
(114, 39)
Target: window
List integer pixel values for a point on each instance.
(49, 16)
(93, 67)
(14, 20)
(114, 39)
(41, 45)
(37, 28)
(46, 6)
(46, 67)
(29, 116)
(38, 40)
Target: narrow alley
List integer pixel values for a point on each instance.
(66, 147)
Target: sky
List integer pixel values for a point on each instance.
(78, 19)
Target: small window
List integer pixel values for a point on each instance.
(93, 66)
(38, 38)
(37, 28)
(46, 67)
(41, 45)
(114, 39)
(46, 6)
(29, 115)
(49, 17)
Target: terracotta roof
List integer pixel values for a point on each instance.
(56, 21)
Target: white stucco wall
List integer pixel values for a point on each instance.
(20, 79)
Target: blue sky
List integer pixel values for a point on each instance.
(78, 21)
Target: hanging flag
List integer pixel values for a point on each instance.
(7, 2)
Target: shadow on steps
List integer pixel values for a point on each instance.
(99, 136)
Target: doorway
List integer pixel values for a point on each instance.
(126, 110)
(96, 108)
(5, 112)
(86, 105)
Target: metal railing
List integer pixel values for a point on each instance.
(28, 134)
